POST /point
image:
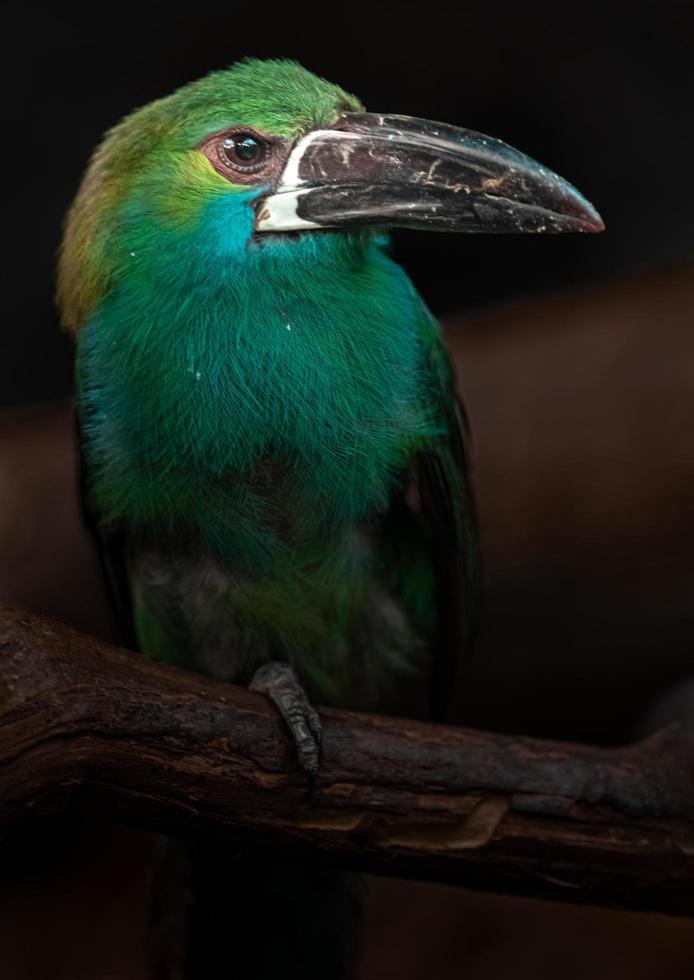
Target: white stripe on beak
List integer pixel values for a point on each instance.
(278, 212)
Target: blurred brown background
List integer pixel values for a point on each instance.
(576, 359)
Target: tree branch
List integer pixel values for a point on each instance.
(93, 728)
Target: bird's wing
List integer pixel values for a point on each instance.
(448, 509)
(438, 496)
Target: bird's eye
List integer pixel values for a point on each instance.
(243, 155)
(244, 151)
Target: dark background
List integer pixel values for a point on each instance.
(600, 92)
(581, 394)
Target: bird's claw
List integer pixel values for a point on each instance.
(280, 683)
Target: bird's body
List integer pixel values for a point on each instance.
(273, 451)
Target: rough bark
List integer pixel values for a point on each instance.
(88, 727)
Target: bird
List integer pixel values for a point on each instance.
(274, 456)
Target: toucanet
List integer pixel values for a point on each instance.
(274, 455)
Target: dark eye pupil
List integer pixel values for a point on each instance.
(243, 148)
(247, 148)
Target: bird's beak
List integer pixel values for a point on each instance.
(392, 171)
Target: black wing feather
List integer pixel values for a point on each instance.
(448, 510)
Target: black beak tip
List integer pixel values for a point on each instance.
(581, 214)
(591, 221)
(573, 212)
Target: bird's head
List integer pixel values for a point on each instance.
(258, 158)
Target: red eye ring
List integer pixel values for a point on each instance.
(244, 155)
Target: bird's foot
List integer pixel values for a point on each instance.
(280, 683)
